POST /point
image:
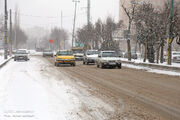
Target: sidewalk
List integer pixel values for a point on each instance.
(163, 68)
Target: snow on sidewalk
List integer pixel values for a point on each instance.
(26, 94)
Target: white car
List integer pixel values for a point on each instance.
(90, 56)
(21, 54)
(108, 59)
(176, 56)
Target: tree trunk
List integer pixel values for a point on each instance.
(162, 54)
(157, 55)
(129, 49)
(145, 51)
(136, 47)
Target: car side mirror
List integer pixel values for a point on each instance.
(99, 56)
(55, 55)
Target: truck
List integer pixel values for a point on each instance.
(78, 53)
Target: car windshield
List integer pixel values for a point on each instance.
(65, 53)
(92, 52)
(21, 52)
(109, 54)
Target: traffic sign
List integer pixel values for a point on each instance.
(51, 41)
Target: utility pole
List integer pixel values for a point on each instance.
(170, 40)
(61, 19)
(10, 35)
(6, 34)
(74, 24)
(88, 12)
(88, 21)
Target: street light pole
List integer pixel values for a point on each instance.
(5, 30)
(170, 40)
(74, 24)
(10, 34)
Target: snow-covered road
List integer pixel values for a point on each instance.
(36, 90)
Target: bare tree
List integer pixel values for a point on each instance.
(59, 36)
(130, 14)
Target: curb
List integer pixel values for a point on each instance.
(161, 67)
(5, 63)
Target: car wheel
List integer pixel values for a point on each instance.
(74, 64)
(87, 63)
(101, 66)
(57, 65)
(83, 63)
(119, 66)
(97, 66)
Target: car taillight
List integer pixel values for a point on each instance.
(174, 58)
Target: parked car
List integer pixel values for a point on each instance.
(176, 56)
(65, 57)
(21, 54)
(108, 59)
(90, 56)
(48, 53)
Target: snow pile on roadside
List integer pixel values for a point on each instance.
(2, 60)
(161, 64)
(152, 70)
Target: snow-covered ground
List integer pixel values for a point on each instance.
(35, 90)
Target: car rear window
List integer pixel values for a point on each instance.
(92, 52)
(109, 54)
(65, 53)
(21, 52)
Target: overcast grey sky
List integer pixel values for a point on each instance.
(46, 13)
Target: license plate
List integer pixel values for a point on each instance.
(112, 63)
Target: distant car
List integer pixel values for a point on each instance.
(65, 57)
(176, 57)
(108, 59)
(48, 53)
(90, 56)
(21, 54)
